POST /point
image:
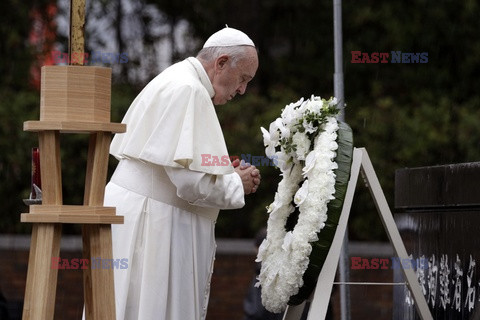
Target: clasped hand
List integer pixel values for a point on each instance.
(249, 174)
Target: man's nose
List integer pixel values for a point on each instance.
(242, 89)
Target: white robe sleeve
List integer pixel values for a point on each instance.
(207, 190)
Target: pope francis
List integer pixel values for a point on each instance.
(169, 198)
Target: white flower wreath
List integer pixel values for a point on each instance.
(285, 255)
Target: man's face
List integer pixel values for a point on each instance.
(230, 80)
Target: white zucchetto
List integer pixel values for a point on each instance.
(228, 37)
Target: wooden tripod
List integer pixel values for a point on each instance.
(74, 99)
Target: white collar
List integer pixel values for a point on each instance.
(202, 75)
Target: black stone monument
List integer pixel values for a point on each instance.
(438, 216)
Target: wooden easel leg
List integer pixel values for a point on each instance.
(97, 239)
(98, 277)
(27, 302)
(42, 274)
(50, 167)
(41, 283)
(97, 167)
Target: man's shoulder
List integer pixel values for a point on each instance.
(180, 75)
(180, 79)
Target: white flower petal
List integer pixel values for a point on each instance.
(287, 241)
(270, 151)
(310, 162)
(301, 194)
(266, 136)
(274, 132)
(284, 130)
(333, 102)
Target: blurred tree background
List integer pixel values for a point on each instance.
(406, 115)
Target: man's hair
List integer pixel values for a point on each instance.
(234, 52)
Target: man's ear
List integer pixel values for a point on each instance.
(221, 61)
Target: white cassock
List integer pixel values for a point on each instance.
(169, 198)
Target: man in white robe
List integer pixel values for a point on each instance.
(168, 193)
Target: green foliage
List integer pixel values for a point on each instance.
(15, 54)
(18, 104)
(410, 115)
(15, 155)
(405, 115)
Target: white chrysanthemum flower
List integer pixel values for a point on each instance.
(302, 143)
(314, 106)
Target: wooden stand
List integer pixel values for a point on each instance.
(48, 218)
(320, 298)
(74, 98)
